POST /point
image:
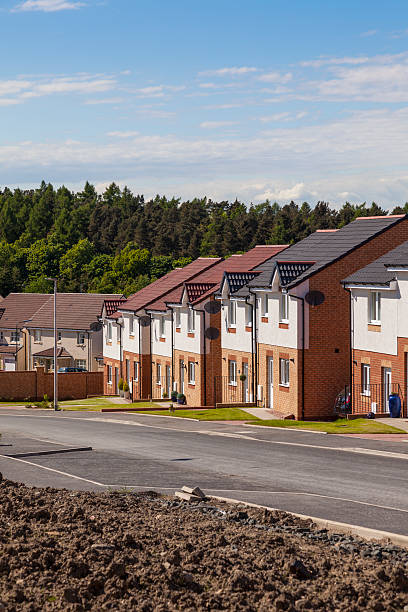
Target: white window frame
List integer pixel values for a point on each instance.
(191, 321)
(191, 373)
(232, 372)
(109, 375)
(136, 371)
(59, 336)
(127, 362)
(158, 374)
(131, 325)
(80, 363)
(284, 308)
(374, 308)
(248, 315)
(109, 332)
(365, 378)
(162, 326)
(232, 313)
(37, 335)
(265, 305)
(284, 372)
(81, 337)
(178, 318)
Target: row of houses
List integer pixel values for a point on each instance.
(286, 327)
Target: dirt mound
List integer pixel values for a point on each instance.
(122, 551)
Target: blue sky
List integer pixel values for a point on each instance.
(225, 98)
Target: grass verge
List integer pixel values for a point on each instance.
(341, 426)
(98, 403)
(215, 414)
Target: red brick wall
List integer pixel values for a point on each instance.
(110, 389)
(230, 393)
(327, 371)
(34, 384)
(286, 400)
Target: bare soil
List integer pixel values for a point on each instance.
(122, 551)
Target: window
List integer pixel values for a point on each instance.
(265, 305)
(365, 379)
(109, 375)
(127, 370)
(59, 336)
(158, 374)
(248, 315)
(284, 307)
(232, 372)
(232, 314)
(191, 320)
(162, 327)
(375, 307)
(191, 372)
(131, 325)
(81, 338)
(2, 337)
(80, 363)
(284, 372)
(178, 322)
(37, 335)
(136, 371)
(15, 336)
(109, 332)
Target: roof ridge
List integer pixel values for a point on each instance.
(379, 217)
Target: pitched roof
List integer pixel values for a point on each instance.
(236, 280)
(289, 271)
(19, 307)
(377, 272)
(111, 306)
(74, 310)
(209, 281)
(166, 284)
(61, 352)
(8, 349)
(324, 248)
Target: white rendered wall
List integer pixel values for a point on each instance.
(160, 347)
(111, 349)
(394, 312)
(182, 342)
(130, 342)
(241, 340)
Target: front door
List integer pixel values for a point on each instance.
(270, 383)
(181, 376)
(245, 383)
(386, 384)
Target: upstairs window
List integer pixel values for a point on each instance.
(265, 305)
(131, 325)
(15, 336)
(248, 315)
(284, 308)
(232, 314)
(191, 320)
(178, 318)
(365, 379)
(375, 307)
(109, 332)
(81, 338)
(59, 336)
(37, 335)
(162, 330)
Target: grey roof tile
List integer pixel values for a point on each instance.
(377, 272)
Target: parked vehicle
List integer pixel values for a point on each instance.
(70, 369)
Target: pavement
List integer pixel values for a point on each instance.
(358, 481)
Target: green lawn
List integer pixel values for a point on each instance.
(212, 414)
(97, 403)
(341, 426)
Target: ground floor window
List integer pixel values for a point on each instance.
(365, 379)
(191, 372)
(136, 371)
(284, 372)
(109, 375)
(158, 373)
(232, 372)
(80, 363)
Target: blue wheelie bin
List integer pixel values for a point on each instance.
(394, 402)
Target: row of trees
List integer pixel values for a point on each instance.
(118, 242)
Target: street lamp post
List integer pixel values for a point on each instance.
(54, 280)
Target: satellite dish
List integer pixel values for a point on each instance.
(96, 326)
(145, 321)
(314, 298)
(211, 333)
(212, 307)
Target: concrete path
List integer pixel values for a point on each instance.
(260, 413)
(399, 423)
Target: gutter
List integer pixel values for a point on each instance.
(151, 358)
(255, 337)
(252, 346)
(303, 350)
(172, 348)
(351, 364)
(204, 354)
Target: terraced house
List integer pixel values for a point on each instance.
(379, 332)
(291, 318)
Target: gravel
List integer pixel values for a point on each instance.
(63, 550)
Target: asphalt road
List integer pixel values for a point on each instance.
(356, 481)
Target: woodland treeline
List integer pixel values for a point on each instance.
(117, 242)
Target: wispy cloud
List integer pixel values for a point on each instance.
(25, 89)
(128, 134)
(275, 77)
(212, 125)
(368, 33)
(47, 6)
(233, 71)
(158, 91)
(326, 61)
(97, 101)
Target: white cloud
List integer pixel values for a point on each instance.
(97, 101)
(158, 91)
(129, 134)
(276, 117)
(13, 87)
(234, 71)
(275, 77)
(334, 61)
(368, 33)
(208, 85)
(47, 6)
(212, 125)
